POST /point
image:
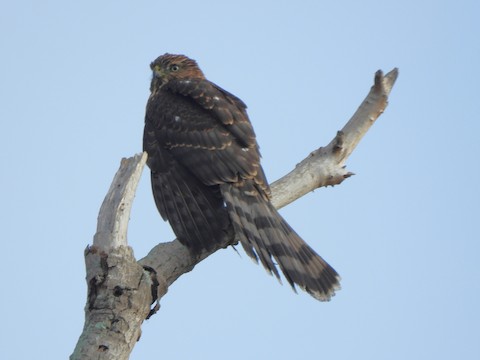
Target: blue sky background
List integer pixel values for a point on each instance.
(403, 232)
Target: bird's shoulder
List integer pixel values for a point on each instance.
(202, 95)
(210, 96)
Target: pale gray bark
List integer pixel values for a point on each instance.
(121, 289)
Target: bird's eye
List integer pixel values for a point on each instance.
(174, 67)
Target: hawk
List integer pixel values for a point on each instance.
(207, 180)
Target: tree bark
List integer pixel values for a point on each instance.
(121, 290)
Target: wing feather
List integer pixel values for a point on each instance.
(208, 131)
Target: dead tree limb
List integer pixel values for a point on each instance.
(121, 289)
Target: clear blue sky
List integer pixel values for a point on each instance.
(403, 232)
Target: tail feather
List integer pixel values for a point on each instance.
(249, 237)
(264, 235)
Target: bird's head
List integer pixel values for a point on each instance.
(173, 67)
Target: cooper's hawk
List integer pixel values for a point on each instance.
(207, 179)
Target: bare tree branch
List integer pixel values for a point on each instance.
(121, 290)
(112, 223)
(326, 165)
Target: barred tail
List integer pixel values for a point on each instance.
(264, 234)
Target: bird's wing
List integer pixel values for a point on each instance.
(208, 130)
(196, 212)
(224, 106)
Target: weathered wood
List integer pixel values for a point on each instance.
(119, 289)
(326, 165)
(114, 215)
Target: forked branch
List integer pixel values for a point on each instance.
(121, 289)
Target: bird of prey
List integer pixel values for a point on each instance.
(207, 180)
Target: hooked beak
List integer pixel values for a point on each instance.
(158, 72)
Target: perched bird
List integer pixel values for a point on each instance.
(207, 179)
